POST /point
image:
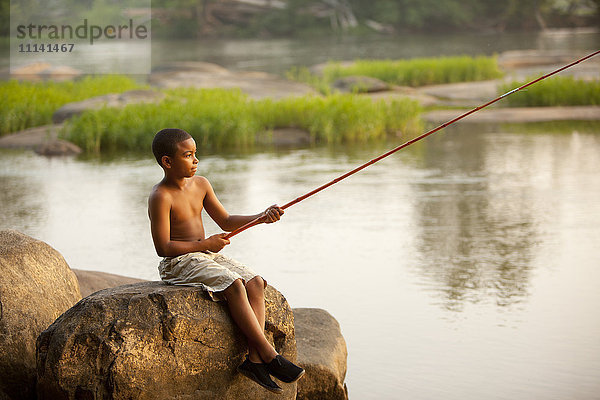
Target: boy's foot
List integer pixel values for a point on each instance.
(284, 370)
(258, 373)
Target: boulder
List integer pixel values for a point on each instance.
(155, 341)
(41, 139)
(39, 71)
(360, 84)
(57, 147)
(92, 281)
(36, 287)
(290, 137)
(108, 100)
(257, 85)
(322, 353)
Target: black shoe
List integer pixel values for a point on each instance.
(284, 370)
(258, 373)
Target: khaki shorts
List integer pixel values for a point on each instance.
(212, 272)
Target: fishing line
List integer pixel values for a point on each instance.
(373, 161)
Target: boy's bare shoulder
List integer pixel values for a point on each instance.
(160, 191)
(159, 194)
(200, 180)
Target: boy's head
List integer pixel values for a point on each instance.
(165, 142)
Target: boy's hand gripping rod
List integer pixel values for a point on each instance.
(373, 161)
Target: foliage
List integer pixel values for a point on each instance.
(218, 118)
(25, 104)
(301, 17)
(555, 91)
(415, 72)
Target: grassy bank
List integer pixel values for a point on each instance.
(26, 104)
(555, 91)
(414, 72)
(218, 118)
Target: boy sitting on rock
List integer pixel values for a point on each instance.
(174, 208)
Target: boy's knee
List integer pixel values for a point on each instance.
(256, 284)
(236, 288)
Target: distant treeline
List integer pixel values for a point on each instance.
(199, 18)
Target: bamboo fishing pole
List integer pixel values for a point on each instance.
(408, 143)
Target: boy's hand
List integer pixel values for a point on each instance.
(272, 214)
(215, 243)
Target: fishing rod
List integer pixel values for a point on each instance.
(408, 143)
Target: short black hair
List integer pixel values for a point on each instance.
(165, 142)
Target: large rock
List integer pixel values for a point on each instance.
(360, 84)
(257, 85)
(92, 281)
(39, 71)
(322, 353)
(36, 286)
(115, 100)
(155, 341)
(41, 139)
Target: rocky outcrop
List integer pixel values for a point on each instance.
(41, 139)
(92, 281)
(36, 286)
(360, 84)
(322, 353)
(115, 100)
(154, 341)
(290, 137)
(320, 345)
(517, 115)
(39, 71)
(534, 58)
(257, 85)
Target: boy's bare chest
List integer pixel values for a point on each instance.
(186, 206)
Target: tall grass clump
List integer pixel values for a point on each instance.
(27, 104)
(555, 91)
(414, 72)
(219, 118)
(342, 117)
(214, 117)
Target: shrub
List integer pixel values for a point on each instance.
(554, 91)
(218, 118)
(26, 104)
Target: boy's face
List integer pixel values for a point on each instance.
(184, 163)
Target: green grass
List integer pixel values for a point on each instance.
(555, 91)
(26, 104)
(218, 118)
(415, 72)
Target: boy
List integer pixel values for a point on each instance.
(174, 208)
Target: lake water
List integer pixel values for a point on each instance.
(463, 267)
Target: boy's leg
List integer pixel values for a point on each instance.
(256, 296)
(245, 318)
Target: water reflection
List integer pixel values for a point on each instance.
(22, 208)
(475, 241)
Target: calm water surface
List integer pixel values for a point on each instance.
(465, 267)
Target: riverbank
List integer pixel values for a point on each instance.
(229, 108)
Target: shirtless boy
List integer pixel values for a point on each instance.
(190, 258)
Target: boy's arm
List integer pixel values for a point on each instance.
(228, 222)
(159, 209)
